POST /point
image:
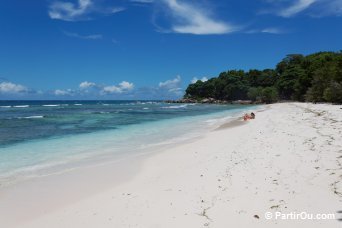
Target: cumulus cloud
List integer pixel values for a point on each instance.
(11, 88)
(169, 84)
(195, 79)
(192, 19)
(126, 85)
(87, 88)
(68, 11)
(122, 87)
(59, 92)
(171, 87)
(86, 85)
(111, 89)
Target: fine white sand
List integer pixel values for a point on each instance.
(288, 160)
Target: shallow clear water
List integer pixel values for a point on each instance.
(37, 137)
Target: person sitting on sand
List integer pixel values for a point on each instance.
(248, 117)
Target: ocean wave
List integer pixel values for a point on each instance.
(101, 112)
(219, 121)
(145, 108)
(21, 106)
(176, 106)
(130, 103)
(31, 117)
(8, 106)
(51, 105)
(78, 104)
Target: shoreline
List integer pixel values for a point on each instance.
(43, 188)
(203, 125)
(197, 183)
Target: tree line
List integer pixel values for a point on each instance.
(315, 78)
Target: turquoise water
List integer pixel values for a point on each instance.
(43, 137)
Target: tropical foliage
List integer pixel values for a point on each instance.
(316, 77)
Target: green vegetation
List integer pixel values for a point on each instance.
(316, 78)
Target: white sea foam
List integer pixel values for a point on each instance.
(34, 117)
(78, 104)
(145, 108)
(31, 117)
(21, 106)
(218, 121)
(6, 106)
(176, 106)
(51, 105)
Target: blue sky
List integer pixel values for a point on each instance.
(150, 49)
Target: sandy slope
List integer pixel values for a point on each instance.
(289, 159)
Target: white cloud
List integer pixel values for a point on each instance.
(313, 8)
(142, 1)
(176, 91)
(112, 89)
(86, 85)
(272, 30)
(170, 84)
(11, 88)
(68, 11)
(116, 9)
(328, 8)
(195, 79)
(85, 37)
(59, 92)
(171, 87)
(297, 7)
(126, 85)
(192, 19)
(121, 88)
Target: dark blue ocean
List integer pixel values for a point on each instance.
(38, 135)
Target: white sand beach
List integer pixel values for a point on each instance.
(287, 160)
